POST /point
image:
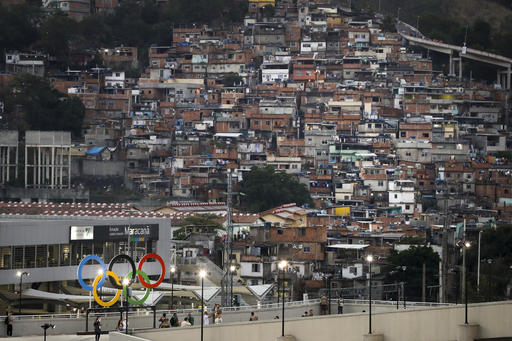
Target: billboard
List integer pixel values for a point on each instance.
(110, 233)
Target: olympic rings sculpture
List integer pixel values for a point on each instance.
(115, 281)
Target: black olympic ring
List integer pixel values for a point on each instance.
(133, 272)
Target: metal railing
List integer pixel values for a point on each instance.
(144, 312)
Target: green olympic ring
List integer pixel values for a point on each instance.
(148, 290)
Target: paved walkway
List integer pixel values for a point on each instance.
(50, 337)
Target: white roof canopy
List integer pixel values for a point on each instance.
(349, 246)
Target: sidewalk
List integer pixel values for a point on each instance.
(50, 337)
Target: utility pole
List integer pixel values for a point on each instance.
(229, 240)
(424, 283)
(444, 245)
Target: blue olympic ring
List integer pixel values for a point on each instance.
(80, 268)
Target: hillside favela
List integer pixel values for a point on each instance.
(256, 170)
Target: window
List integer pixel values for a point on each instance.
(426, 135)
(407, 207)
(255, 268)
(267, 123)
(302, 232)
(396, 196)
(403, 134)
(380, 183)
(279, 231)
(307, 249)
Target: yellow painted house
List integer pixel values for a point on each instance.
(262, 3)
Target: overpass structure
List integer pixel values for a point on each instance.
(457, 53)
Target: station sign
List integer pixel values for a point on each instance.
(110, 233)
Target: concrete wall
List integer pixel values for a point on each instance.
(419, 325)
(144, 319)
(89, 167)
(73, 323)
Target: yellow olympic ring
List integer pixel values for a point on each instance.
(95, 290)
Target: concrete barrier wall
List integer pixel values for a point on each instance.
(433, 324)
(144, 320)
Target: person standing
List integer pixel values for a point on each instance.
(340, 305)
(175, 322)
(8, 321)
(97, 328)
(206, 320)
(323, 305)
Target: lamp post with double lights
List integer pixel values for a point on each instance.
(465, 269)
(369, 259)
(232, 268)
(20, 274)
(202, 275)
(45, 328)
(282, 266)
(126, 282)
(171, 272)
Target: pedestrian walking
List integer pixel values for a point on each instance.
(97, 328)
(9, 319)
(341, 303)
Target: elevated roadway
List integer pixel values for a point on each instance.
(456, 53)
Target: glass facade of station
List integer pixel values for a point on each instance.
(41, 256)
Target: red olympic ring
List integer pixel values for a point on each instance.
(158, 258)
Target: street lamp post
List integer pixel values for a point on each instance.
(126, 282)
(489, 261)
(232, 268)
(202, 274)
(464, 265)
(45, 327)
(369, 258)
(173, 270)
(282, 266)
(20, 274)
(465, 269)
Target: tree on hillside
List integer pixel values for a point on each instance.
(32, 104)
(407, 266)
(496, 261)
(18, 24)
(265, 188)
